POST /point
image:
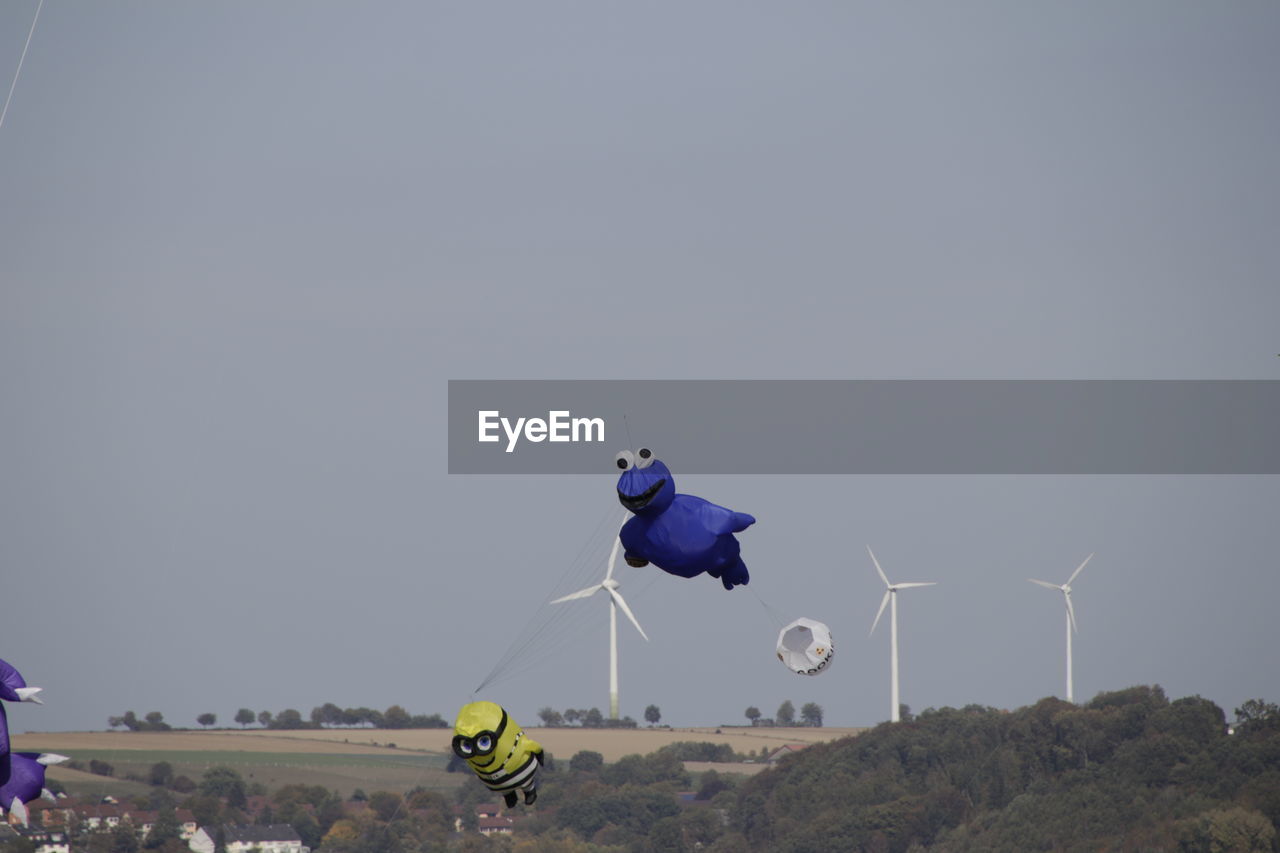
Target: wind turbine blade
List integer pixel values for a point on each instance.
(883, 577)
(618, 599)
(905, 585)
(1046, 584)
(1071, 613)
(613, 554)
(1078, 568)
(883, 602)
(582, 593)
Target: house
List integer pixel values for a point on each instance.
(277, 838)
(496, 825)
(44, 840)
(102, 816)
(187, 825)
(70, 813)
(785, 749)
(488, 810)
(145, 821)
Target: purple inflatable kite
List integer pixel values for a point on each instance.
(21, 773)
(681, 534)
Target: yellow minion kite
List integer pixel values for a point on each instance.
(497, 750)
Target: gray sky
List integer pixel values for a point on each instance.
(244, 245)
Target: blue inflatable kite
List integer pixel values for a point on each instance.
(21, 773)
(680, 534)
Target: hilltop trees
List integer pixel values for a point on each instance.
(153, 722)
(810, 715)
(589, 719)
(395, 717)
(652, 715)
(207, 720)
(1129, 769)
(327, 714)
(1255, 710)
(289, 718)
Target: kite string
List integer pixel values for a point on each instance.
(772, 614)
(21, 58)
(540, 622)
(544, 624)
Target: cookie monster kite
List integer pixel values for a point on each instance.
(21, 773)
(680, 534)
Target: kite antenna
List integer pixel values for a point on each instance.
(14, 84)
(627, 427)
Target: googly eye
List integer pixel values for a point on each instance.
(644, 457)
(484, 743)
(624, 460)
(465, 747)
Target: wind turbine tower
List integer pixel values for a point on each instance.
(1065, 589)
(891, 599)
(616, 600)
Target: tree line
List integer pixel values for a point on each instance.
(810, 715)
(588, 718)
(329, 714)
(396, 717)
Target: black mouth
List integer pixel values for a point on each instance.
(642, 499)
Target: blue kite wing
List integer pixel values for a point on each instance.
(722, 521)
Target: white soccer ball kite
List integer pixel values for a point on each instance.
(805, 647)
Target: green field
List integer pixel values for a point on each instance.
(344, 772)
(131, 757)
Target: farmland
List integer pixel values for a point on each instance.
(346, 759)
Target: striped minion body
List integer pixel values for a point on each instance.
(495, 747)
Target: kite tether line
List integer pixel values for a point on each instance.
(5, 110)
(552, 627)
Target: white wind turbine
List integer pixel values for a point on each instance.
(891, 597)
(610, 586)
(1065, 589)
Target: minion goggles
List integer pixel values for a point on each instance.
(480, 744)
